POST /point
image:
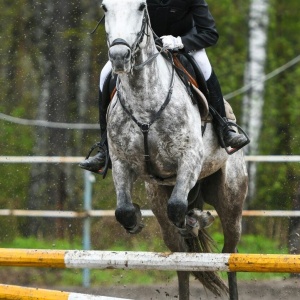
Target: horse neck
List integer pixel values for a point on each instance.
(143, 86)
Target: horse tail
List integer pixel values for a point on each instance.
(211, 280)
(204, 244)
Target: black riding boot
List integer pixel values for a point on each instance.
(100, 162)
(97, 163)
(227, 136)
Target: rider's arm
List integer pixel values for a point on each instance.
(204, 33)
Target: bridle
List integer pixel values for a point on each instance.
(135, 47)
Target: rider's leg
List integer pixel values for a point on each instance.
(97, 162)
(104, 95)
(230, 137)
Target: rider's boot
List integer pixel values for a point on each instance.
(99, 161)
(228, 137)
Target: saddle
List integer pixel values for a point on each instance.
(192, 76)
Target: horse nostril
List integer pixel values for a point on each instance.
(128, 54)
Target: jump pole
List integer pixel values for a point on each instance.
(24, 293)
(234, 262)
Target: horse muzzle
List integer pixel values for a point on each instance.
(119, 55)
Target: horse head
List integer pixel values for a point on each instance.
(123, 44)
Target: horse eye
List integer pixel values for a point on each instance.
(104, 8)
(142, 6)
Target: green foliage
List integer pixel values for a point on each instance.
(34, 243)
(229, 55)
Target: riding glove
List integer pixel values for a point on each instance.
(171, 42)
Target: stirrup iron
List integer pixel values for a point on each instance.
(101, 145)
(225, 123)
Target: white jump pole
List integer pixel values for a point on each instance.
(234, 262)
(13, 292)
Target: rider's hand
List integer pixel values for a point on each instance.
(171, 42)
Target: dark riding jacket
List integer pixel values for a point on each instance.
(189, 19)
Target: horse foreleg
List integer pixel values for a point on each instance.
(178, 202)
(127, 213)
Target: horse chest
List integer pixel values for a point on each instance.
(169, 139)
(127, 144)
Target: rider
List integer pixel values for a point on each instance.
(189, 26)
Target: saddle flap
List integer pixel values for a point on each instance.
(182, 63)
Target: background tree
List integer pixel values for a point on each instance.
(253, 99)
(64, 64)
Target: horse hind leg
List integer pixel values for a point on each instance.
(203, 243)
(159, 196)
(228, 201)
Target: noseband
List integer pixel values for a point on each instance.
(136, 45)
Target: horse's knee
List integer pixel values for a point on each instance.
(176, 212)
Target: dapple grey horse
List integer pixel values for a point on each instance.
(155, 134)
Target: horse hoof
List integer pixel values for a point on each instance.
(137, 229)
(126, 215)
(139, 225)
(205, 219)
(195, 221)
(177, 212)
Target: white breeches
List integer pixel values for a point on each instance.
(104, 73)
(203, 62)
(200, 57)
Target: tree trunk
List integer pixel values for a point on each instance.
(64, 89)
(253, 100)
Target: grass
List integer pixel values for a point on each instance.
(73, 277)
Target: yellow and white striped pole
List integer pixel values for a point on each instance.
(234, 262)
(10, 292)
